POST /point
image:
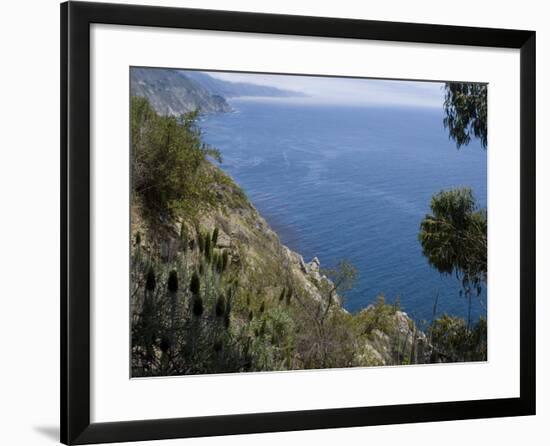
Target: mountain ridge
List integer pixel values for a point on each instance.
(231, 89)
(174, 92)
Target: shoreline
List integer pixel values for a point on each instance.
(415, 283)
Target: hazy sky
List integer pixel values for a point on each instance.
(350, 91)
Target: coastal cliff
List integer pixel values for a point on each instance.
(213, 289)
(171, 93)
(175, 92)
(285, 313)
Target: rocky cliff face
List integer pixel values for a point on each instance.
(172, 93)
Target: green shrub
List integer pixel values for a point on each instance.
(454, 342)
(168, 159)
(379, 316)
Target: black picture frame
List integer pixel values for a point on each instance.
(76, 18)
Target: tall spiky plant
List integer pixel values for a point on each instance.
(150, 281)
(183, 237)
(219, 263)
(147, 318)
(227, 315)
(200, 241)
(215, 234)
(195, 289)
(225, 259)
(173, 295)
(207, 248)
(220, 306)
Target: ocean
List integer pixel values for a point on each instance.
(353, 182)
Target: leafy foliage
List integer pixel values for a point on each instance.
(454, 237)
(380, 316)
(168, 161)
(324, 339)
(466, 112)
(454, 342)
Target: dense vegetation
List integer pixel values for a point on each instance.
(454, 236)
(168, 170)
(454, 240)
(466, 112)
(190, 315)
(213, 290)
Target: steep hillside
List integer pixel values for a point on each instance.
(213, 289)
(284, 313)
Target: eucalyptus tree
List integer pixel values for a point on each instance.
(454, 238)
(466, 112)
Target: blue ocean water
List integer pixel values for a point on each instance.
(353, 182)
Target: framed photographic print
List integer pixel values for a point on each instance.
(275, 223)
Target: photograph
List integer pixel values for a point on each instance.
(284, 222)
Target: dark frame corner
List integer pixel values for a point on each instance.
(76, 18)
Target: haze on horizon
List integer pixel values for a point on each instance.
(351, 91)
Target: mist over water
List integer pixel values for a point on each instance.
(353, 182)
